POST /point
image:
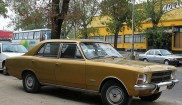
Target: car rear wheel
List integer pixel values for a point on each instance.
(30, 82)
(145, 60)
(113, 93)
(152, 97)
(166, 62)
(5, 70)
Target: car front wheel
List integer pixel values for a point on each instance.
(145, 60)
(152, 97)
(30, 83)
(113, 93)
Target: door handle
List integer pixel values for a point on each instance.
(57, 64)
(33, 61)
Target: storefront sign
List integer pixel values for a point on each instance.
(172, 6)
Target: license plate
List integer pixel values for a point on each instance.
(163, 88)
(180, 61)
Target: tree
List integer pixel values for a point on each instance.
(59, 11)
(154, 12)
(119, 12)
(84, 11)
(3, 9)
(30, 14)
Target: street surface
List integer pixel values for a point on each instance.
(12, 93)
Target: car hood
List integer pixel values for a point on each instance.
(138, 65)
(10, 54)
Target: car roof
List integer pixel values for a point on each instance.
(71, 40)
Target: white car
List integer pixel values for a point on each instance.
(10, 50)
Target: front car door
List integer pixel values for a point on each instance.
(70, 69)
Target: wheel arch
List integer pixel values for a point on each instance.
(27, 71)
(3, 63)
(110, 79)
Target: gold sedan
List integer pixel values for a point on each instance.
(91, 66)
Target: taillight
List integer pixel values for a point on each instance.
(142, 78)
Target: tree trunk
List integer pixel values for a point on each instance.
(58, 17)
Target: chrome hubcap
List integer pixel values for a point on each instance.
(166, 62)
(114, 95)
(29, 81)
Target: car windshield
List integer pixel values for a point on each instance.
(18, 48)
(165, 52)
(96, 50)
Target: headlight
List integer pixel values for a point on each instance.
(173, 75)
(142, 78)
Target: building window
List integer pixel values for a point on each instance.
(137, 38)
(101, 38)
(127, 38)
(110, 39)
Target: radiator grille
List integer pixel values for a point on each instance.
(158, 77)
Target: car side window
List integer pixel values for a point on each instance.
(70, 51)
(151, 52)
(157, 52)
(49, 50)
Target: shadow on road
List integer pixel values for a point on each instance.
(93, 99)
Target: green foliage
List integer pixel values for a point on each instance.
(83, 12)
(3, 9)
(89, 31)
(119, 11)
(155, 35)
(30, 14)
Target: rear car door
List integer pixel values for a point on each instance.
(44, 62)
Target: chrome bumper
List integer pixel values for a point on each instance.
(169, 84)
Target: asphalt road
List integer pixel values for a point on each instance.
(12, 93)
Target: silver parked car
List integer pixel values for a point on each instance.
(161, 56)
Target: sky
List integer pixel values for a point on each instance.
(4, 22)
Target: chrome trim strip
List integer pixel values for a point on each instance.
(71, 88)
(155, 86)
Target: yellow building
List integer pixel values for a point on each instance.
(172, 20)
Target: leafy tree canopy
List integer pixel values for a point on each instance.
(3, 9)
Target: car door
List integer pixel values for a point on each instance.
(150, 56)
(70, 69)
(44, 62)
(158, 56)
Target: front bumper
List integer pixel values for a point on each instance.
(153, 87)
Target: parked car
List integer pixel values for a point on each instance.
(9, 50)
(93, 66)
(161, 56)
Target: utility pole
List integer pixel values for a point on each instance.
(132, 42)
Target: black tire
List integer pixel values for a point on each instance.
(30, 83)
(113, 93)
(145, 60)
(152, 97)
(179, 64)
